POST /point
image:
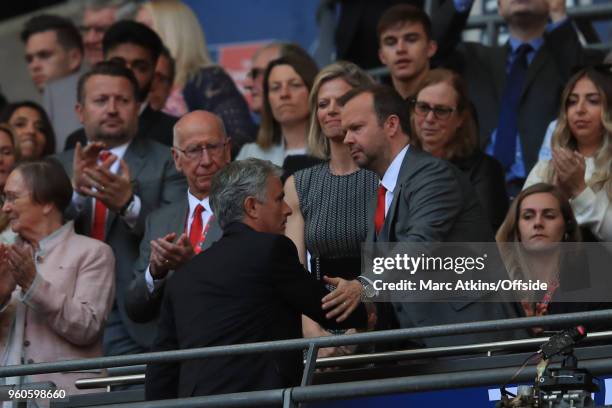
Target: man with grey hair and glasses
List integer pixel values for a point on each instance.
(248, 287)
(176, 233)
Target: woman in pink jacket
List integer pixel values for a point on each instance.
(56, 287)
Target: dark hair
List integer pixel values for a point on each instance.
(269, 130)
(68, 35)
(48, 182)
(47, 128)
(6, 128)
(386, 102)
(110, 68)
(403, 13)
(131, 32)
(166, 53)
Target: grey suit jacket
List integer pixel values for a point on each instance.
(141, 305)
(433, 201)
(156, 182)
(484, 70)
(59, 101)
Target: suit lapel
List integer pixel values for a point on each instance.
(213, 235)
(385, 232)
(536, 65)
(134, 157)
(176, 222)
(499, 61)
(405, 169)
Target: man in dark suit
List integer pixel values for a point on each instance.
(138, 47)
(174, 233)
(118, 180)
(516, 88)
(420, 199)
(247, 287)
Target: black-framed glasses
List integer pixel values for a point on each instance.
(423, 109)
(196, 152)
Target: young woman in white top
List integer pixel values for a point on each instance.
(581, 164)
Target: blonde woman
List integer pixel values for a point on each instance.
(329, 201)
(581, 164)
(198, 83)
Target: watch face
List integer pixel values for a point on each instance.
(369, 291)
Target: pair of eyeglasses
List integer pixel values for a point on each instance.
(196, 152)
(10, 198)
(423, 109)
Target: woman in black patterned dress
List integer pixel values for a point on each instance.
(330, 200)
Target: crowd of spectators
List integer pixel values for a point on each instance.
(143, 207)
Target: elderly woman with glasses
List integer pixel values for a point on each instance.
(56, 287)
(445, 126)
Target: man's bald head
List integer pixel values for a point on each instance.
(200, 149)
(198, 120)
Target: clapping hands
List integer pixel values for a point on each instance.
(569, 168)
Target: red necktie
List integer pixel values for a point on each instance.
(99, 217)
(195, 233)
(379, 218)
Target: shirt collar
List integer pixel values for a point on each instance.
(389, 179)
(536, 43)
(120, 150)
(45, 244)
(193, 203)
(143, 106)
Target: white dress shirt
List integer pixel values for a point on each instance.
(389, 179)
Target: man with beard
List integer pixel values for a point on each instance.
(138, 48)
(118, 180)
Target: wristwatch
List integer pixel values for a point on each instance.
(369, 292)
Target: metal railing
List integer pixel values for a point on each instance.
(290, 397)
(372, 358)
(312, 344)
